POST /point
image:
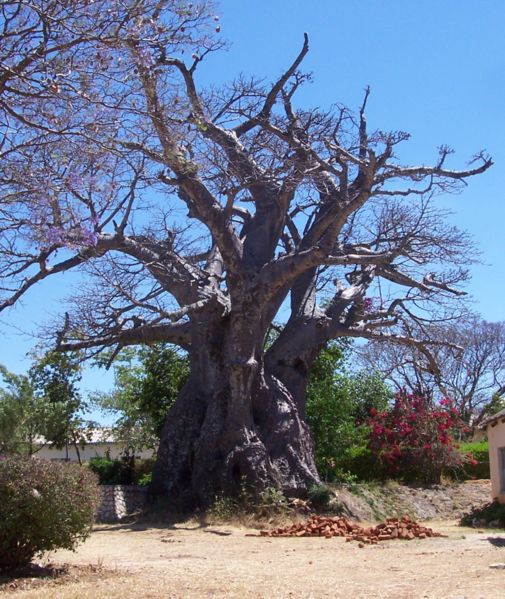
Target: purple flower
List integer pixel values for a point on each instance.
(145, 57)
(88, 236)
(54, 235)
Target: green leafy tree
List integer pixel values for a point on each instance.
(21, 414)
(45, 403)
(496, 404)
(147, 381)
(338, 407)
(55, 379)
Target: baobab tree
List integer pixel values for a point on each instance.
(198, 215)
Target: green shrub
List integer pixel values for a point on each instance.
(142, 471)
(478, 450)
(272, 499)
(478, 464)
(145, 480)
(109, 472)
(224, 508)
(123, 471)
(43, 506)
(319, 496)
(361, 464)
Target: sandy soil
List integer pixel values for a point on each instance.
(189, 561)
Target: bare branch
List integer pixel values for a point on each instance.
(264, 114)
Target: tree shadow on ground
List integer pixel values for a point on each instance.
(162, 520)
(496, 541)
(36, 575)
(490, 515)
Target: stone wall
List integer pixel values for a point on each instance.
(118, 501)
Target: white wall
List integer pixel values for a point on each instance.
(496, 438)
(90, 450)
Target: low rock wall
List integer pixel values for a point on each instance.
(118, 501)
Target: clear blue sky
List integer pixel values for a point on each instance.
(436, 69)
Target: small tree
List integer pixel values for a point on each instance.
(55, 378)
(43, 405)
(415, 438)
(21, 414)
(147, 382)
(338, 407)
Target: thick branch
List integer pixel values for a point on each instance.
(178, 334)
(200, 201)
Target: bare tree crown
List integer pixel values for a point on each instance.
(179, 202)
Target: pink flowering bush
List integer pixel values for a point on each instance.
(414, 439)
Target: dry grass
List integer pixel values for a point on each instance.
(45, 578)
(194, 560)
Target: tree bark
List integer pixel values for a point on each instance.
(235, 426)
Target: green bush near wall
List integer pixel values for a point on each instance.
(127, 471)
(109, 472)
(479, 452)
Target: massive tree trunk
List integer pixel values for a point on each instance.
(234, 426)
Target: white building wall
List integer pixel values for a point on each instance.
(496, 439)
(90, 450)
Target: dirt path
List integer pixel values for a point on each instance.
(187, 561)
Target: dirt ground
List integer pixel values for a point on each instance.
(187, 560)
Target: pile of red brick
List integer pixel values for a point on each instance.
(321, 526)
